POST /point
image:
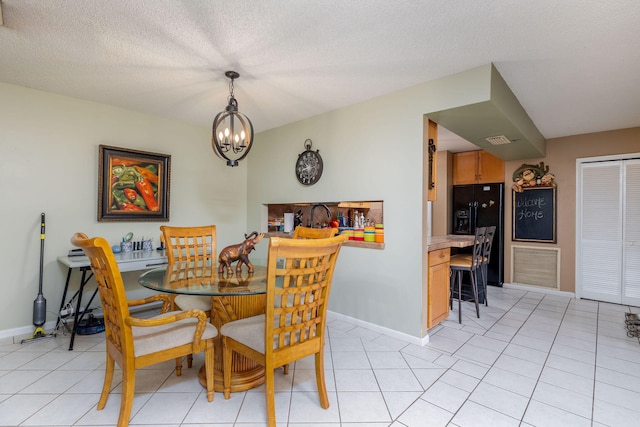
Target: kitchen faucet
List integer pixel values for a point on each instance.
(313, 208)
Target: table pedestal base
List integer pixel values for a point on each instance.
(240, 381)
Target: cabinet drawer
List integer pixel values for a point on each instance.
(439, 256)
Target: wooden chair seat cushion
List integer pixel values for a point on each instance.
(151, 339)
(193, 302)
(250, 332)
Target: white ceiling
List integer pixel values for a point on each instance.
(573, 64)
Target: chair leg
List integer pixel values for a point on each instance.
(227, 355)
(128, 387)
(106, 386)
(270, 394)
(178, 366)
(459, 274)
(484, 284)
(208, 368)
(452, 277)
(189, 360)
(474, 287)
(322, 388)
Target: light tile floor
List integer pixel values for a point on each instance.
(530, 360)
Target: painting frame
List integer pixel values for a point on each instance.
(133, 185)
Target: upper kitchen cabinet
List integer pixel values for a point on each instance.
(477, 167)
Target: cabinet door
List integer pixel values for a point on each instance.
(465, 168)
(438, 294)
(490, 168)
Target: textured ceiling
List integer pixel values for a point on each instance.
(573, 65)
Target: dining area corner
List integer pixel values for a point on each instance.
(247, 323)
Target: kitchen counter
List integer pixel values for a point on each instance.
(435, 243)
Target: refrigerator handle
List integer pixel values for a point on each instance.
(474, 216)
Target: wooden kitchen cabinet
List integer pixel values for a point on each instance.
(477, 167)
(438, 294)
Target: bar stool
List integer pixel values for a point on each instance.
(486, 258)
(461, 263)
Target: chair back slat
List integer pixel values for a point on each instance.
(488, 243)
(478, 247)
(190, 246)
(299, 280)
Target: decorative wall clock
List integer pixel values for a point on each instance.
(309, 165)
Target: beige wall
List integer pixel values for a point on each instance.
(372, 151)
(49, 163)
(561, 159)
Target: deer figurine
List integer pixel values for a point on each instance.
(240, 253)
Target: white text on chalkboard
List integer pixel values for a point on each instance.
(528, 202)
(526, 213)
(525, 206)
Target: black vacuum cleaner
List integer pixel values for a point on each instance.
(40, 303)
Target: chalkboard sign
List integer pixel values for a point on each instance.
(534, 215)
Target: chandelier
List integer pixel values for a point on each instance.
(232, 135)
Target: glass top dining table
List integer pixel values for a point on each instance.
(187, 280)
(233, 296)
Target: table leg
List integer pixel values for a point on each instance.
(245, 374)
(64, 297)
(78, 316)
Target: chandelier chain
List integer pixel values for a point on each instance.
(231, 89)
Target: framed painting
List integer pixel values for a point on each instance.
(133, 185)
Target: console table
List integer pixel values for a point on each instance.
(127, 261)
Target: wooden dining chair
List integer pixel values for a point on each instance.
(299, 277)
(301, 232)
(462, 262)
(134, 343)
(192, 247)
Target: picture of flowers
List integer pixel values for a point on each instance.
(133, 185)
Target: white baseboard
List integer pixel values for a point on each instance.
(15, 335)
(528, 288)
(377, 328)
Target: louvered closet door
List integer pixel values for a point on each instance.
(631, 233)
(609, 234)
(600, 237)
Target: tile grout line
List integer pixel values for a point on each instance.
(545, 364)
(501, 353)
(480, 379)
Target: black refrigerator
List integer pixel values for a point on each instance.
(482, 205)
